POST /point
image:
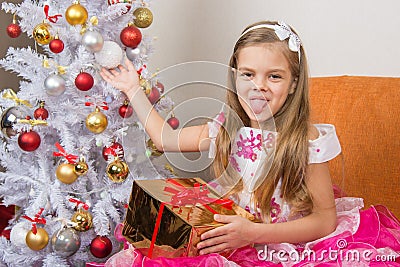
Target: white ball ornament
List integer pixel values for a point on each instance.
(93, 41)
(54, 85)
(110, 55)
(18, 234)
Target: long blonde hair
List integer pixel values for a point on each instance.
(291, 122)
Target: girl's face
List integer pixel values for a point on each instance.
(263, 81)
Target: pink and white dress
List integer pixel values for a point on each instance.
(368, 237)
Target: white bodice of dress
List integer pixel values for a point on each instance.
(251, 153)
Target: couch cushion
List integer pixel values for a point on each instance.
(365, 111)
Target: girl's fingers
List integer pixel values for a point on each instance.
(105, 75)
(114, 72)
(218, 231)
(212, 241)
(122, 68)
(129, 65)
(224, 218)
(214, 249)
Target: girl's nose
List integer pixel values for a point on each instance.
(260, 83)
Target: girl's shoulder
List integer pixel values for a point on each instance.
(324, 143)
(213, 128)
(313, 132)
(215, 124)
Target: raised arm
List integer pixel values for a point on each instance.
(126, 79)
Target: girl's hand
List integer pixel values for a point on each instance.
(235, 234)
(125, 78)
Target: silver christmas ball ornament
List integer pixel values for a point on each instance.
(93, 41)
(65, 242)
(110, 55)
(132, 53)
(54, 85)
(10, 117)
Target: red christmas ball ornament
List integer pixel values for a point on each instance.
(131, 36)
(84, 81)
(173, 122)
(114, 150)
(101, 247)
(159, 86)
(126, 110)
(29, 141)
(154, 95)
(56, 45)
(13, 30)
(41, 112)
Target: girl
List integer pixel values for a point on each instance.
(270, 159)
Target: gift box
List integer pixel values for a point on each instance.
(166, 217)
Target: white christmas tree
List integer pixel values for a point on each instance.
(68, 137)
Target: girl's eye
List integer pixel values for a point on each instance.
(275, 76)
(247, 75)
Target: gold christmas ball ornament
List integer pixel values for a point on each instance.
(96, 122)
(143, 17)
(83, 220)
(76, 14)
(81, 167)
(37, 241)
(41, 34)
(154, 151)
(117, 171)
(66, 173)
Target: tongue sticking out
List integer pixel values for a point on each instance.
(257, 105)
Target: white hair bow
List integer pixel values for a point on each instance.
(283, 31)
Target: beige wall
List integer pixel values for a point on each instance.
(357, 37)
(8, 79)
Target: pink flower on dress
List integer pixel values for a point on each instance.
(256, 213)
(246, 146)
(275, 211)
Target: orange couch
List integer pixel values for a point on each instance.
(366, 113)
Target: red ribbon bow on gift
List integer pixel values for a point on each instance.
(71, 158)
(192, 196)
(36, 220)
(186, 196)
(54, 18)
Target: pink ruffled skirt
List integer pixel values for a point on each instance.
(368, 237)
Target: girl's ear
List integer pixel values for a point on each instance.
(293, 86)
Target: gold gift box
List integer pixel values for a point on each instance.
(175, 230)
